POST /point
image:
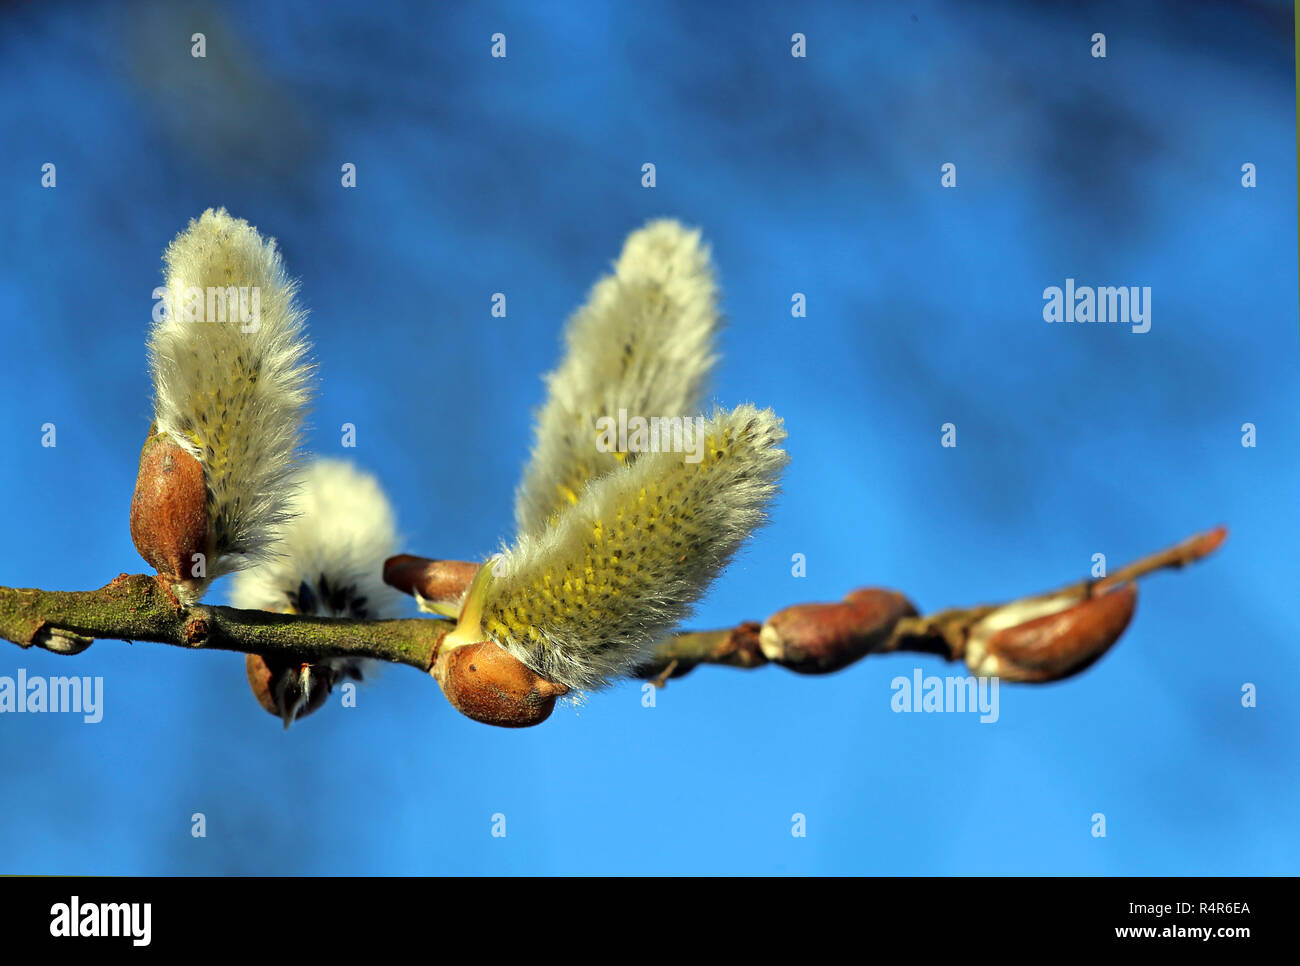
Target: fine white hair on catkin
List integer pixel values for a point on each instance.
(328, 559)
(232, 390)
(644, 342)
(582, 601)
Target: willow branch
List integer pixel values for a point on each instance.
(1035, 638)
(142, 608)
(1068, 628)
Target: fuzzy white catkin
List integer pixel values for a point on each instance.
(232, 393)
(643, 342)
(583, 601)
(328, 559)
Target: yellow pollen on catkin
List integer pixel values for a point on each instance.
(627, 561)
(644, 342)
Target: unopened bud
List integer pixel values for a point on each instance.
(438, 585)
(484, 682)
(820, 638)
(169, 513)
(61, 641)
(1051, 637)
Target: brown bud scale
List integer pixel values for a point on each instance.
(485, 682)
(1058, 645)
(441, 581)
(821, 638)
(264, 674)
(169, 514)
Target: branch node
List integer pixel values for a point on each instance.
(196, 631)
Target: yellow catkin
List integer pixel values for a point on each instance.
(582, 602)
(230, 386)
(643, 342)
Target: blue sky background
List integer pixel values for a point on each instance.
(819, 176)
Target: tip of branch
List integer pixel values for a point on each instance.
(1204, 544)
(1190, 551)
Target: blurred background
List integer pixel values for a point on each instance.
(818, 175)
